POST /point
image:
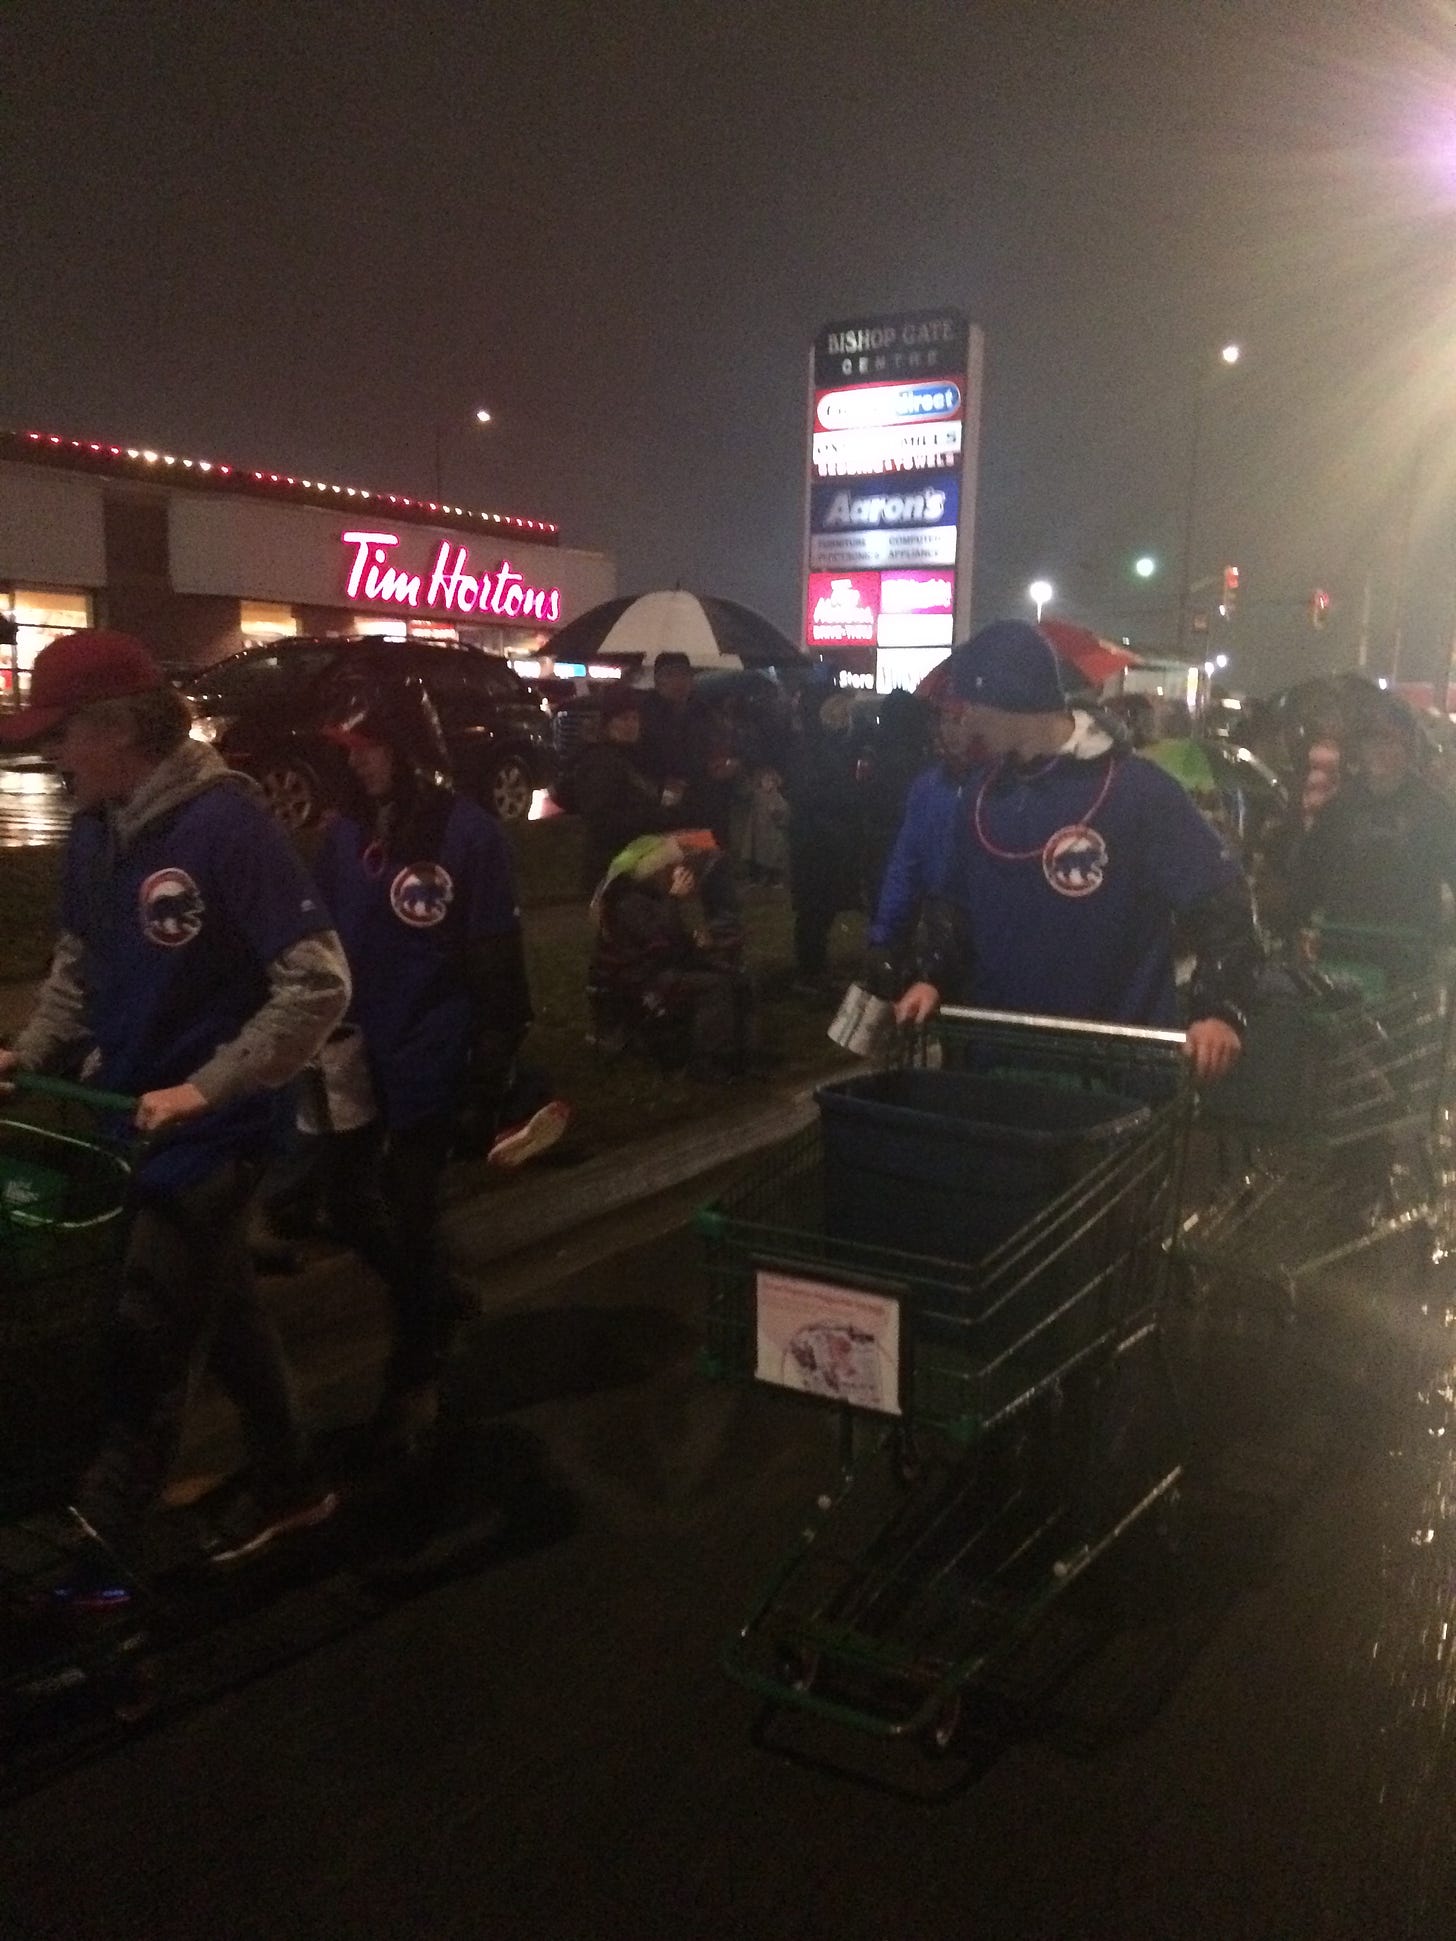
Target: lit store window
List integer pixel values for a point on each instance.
(38, 617)
(262, 621)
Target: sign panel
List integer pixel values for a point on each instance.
(875, 549)
(905, 667)
(52, 528)
(861, 406)
(894, 413)
(891, 448)
(838, 1342)
(313, 556)
(843, 608)
(902, 592)
(918, 499)
(920, 342)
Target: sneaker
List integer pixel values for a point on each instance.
(517, 1144)
(251, 1525)
(93, 1581)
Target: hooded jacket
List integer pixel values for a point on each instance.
(193, 950)
(1379, 860)
(1063, 882)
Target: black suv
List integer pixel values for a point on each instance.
(262, 709)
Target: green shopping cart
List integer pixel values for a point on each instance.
(1334, 1129)
(1006, 1411)
(65, 1170)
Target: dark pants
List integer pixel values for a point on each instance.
(812, 923)
(714, 1010)
(382, 1197)
(187, 1300)
(822, 881)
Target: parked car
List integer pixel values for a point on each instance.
(262, 709)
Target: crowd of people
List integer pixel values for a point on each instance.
(795, 787)
(1010, 847)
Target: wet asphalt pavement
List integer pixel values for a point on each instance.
(494, 1707)
(33, 806)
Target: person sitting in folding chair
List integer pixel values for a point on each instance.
(673, 989)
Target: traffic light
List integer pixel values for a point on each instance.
(1230, 598)
(1319, 608)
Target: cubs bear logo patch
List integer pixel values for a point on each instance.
(170, 907)
(1074, 860)
(421, 894)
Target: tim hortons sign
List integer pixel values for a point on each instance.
(450, 585)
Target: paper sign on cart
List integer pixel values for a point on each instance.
(837, 1342)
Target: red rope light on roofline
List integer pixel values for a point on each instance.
(142, 460)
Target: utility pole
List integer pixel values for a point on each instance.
(1190, 506)
(1402, 566)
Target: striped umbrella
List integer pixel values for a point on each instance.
(710, 632)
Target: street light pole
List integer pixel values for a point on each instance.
(482, 417)
(1229, 355)
(1190, 507)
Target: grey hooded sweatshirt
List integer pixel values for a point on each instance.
(308, 984)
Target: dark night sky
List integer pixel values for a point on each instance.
(302, 233)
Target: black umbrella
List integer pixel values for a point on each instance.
(642, 626)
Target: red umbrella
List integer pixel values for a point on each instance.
(1092, 658)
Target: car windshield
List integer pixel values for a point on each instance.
(255, 679)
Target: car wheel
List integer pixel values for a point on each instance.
(508, 789)
(291, 790)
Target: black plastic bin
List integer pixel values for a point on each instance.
(952, 1163)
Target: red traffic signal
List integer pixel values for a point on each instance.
(1319, 607)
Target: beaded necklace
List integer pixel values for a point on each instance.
(1039, 851)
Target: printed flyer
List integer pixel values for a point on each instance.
(831, 1341)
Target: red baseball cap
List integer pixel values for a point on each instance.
(76, 669)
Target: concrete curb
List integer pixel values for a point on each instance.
(488, 1227)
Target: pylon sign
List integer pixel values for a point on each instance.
(894, 415)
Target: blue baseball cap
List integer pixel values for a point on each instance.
(1009, 665)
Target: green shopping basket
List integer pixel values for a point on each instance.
(62, 1201)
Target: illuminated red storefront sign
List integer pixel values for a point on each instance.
(451, 587)
(842, 608)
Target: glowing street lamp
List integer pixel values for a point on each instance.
(1145, 566)
(1230, 353)
(1040, 593)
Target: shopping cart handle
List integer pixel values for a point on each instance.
(68, 1089)
(1083, 1027)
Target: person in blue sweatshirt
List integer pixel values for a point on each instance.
(420, 884)
(919, 872)
(1072, 865)
(196, 970)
